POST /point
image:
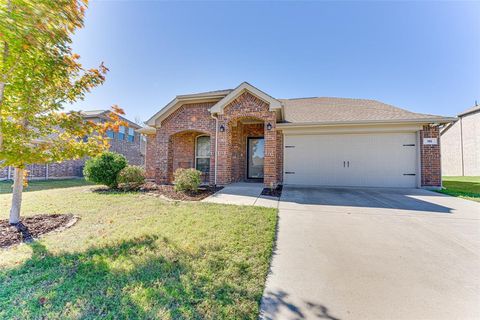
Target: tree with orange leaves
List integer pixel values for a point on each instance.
(39, 73)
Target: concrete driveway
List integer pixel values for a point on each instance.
(374, 254)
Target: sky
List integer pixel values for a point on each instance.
(421, 56)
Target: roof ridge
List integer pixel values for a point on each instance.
(204, 92)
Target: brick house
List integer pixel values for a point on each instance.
(127, 142)
(244, 134)
(461, 145)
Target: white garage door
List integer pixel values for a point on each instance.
(366, 160)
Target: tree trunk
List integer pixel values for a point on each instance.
(17, 196)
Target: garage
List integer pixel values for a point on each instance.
(356, 160)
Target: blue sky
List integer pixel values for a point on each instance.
(422, 56)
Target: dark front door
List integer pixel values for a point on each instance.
(255, 156)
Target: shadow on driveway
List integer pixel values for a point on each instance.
(386, 198)
(277, 305)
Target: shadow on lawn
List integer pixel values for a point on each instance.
(127, 280)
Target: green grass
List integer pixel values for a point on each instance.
(136, 256)
(36, 185)
(463, 187)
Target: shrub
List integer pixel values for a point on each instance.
(187, 179)
(131, 178)
(104, 169)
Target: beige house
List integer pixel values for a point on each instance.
(460, 145)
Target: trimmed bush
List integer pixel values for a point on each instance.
(187, 179)
(131, 178)
(104, 169)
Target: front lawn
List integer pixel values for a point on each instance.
(137, 256)
(464, 187)
(36, 185)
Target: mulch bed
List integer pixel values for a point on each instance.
(168, 191)
(277, 192)
(33, 227)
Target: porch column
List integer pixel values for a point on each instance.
(162, 160)
(270, 161)
(151, 156)
(224, 158)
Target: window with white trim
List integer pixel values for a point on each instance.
(202, 154)
(131, 135)
(121, 133)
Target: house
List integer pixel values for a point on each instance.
(461, 145)
(244, 134)
(126, 141)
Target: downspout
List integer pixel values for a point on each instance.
(461, 146)
(216, 145)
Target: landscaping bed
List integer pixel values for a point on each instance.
(277, 192)
(169, 192)
(32, 227)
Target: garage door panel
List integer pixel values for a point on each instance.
(375, 160)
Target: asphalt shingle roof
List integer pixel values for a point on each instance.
(326, 109)
(470, 110)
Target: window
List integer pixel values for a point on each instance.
(121, 133)
(202, 154)
(110, 134)
(131, 135)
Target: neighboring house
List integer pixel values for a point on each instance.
(461, 145)
(126, 141)
(244, 134)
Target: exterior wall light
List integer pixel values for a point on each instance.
(222, 128)
(269, 126)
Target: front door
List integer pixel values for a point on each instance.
(255, 156)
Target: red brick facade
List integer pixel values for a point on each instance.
(430, 161)
(173, 144)
(74, 168)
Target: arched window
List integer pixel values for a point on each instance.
(202, 154)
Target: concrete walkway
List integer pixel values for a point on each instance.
(374, 254)
(243, 193)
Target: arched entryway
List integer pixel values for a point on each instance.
(247, 156)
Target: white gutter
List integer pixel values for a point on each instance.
(365, 122)
(146, 130)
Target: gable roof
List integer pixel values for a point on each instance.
(182, 99)
(327, 109)
(103, 114)
(274, 104)
(317, 110)
(469, 110)
(93, 113)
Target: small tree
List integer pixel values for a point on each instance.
(38, 75)
(105, 168)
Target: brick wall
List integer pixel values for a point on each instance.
(193, 118)
(451, 148)
(430, 158)
(164, 152)
(131, 150)
(240, 133)
(246, 106)
(280, 156)
(74, 168)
